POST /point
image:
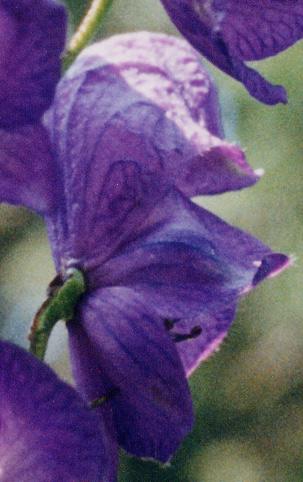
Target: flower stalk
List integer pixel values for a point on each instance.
(60, 304)
(86, 30)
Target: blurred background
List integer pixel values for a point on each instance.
(248, 396)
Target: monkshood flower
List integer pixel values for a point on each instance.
(47, 433)
(133, 133)
(135, 130)
(230, 32)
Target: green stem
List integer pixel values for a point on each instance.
(60, 304)
(86, 29)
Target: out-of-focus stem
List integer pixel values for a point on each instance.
(86, 29)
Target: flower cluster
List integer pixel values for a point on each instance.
(130, 133)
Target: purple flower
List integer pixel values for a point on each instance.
(32, 37)
(134, 131)
(47, 432)
(230, 32)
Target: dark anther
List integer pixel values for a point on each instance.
(194, 332)
(170, 323)
(108, 396)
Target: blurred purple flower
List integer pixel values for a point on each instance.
(230, 32)
(32, 37)
(134, 131)
(48, 434)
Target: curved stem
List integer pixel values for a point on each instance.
(60, 304)
(86, 29)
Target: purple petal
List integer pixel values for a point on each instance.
(257, 86)
(191, 268)
(227, 32)
(256, 30)
(29, 175)
(146, 98)
(106, 210)
(270, 266)
(121, 351)
(32, 39)
(32, 35)
(48, 434)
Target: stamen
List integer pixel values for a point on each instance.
(108, 396)
(194, 332)
(170, 323)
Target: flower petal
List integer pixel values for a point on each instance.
(29, 175)
(227, 32)
(256, 30)
(125, 129)
(143, 97)
(191, 267)
(47, 432)
(32, 38)
(120, 351)
(32, 35)
(106, 209)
